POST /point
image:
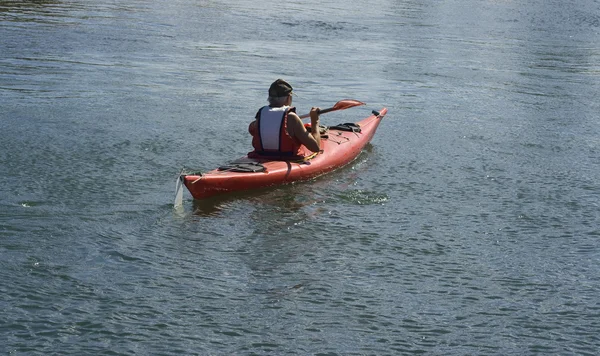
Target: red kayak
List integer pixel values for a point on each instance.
(340, 145)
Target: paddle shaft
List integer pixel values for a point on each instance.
(323, 111)
(340, 105)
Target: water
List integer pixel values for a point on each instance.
(468, 226)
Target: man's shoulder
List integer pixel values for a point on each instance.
(294, 123)
(294, 119)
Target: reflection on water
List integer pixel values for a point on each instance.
(283, 198)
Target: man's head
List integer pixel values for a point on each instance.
(280, 88)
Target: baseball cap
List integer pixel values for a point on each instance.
(280, 88)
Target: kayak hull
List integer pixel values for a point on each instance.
(338, 149)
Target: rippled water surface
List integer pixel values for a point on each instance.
(469, 225)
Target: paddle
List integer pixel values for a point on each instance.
(178, 191)
(340, 105)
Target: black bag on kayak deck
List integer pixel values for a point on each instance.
(249, 167)
(349, 126)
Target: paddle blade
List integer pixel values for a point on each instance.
(178, 192)
(346, 104)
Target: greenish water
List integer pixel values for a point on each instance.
(469, 225)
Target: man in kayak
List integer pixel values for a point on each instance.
(278, 132)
